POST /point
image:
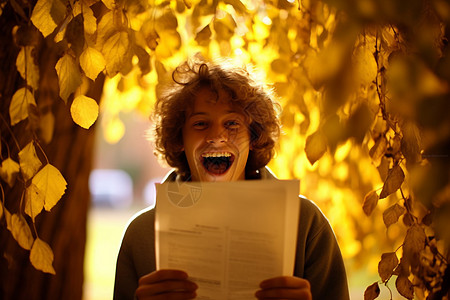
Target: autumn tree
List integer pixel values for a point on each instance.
(364, 87)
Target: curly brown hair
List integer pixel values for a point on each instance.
(247, 95)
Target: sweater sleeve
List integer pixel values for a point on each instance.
(319, 259)
(136, 256)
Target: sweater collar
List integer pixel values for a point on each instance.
(264, 173)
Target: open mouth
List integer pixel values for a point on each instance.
(217, 163)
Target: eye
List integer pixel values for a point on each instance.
(200, 125)
(232, 124)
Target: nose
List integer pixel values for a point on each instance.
(216, 135)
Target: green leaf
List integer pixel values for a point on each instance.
(69, 76)
(370, 202)
(20, 231)
(92, 62)
(315, 147)
(27, 68)
(387, 264)
(18, 108)
(51, 183)
(47, 15)
(393, 181)
(115, 51)
(9, 169)
(41, 256)
(84, 111)
(28, 161)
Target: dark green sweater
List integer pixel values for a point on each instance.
(318, 257)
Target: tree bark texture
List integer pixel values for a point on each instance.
(64, 227)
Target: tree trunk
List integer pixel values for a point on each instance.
(64, 227)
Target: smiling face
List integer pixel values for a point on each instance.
(215, 138)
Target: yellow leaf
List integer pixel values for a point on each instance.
(77, 8)
(378, 150)
(109, 3)
(92, 62)
(315, 147)
(28, 161)
(18, 109)
(115, 51)
(69, 76)
(169, 44)
(47, 126)
(144, 59)
(393, 181)
(224, 27)
(370, 202)
(152, 39)
(322, 66)
(47, 14)
(90, 22)
(281, 66)
(392, 214)
(34, 201)
(9, 169)
(20, 231)
(41, 256)
(387, 264)
(114, 131)
(27, 68)
(105, 29)
(84, 111)
(411, 143)
(404, 287)
(372, 292)
(365, 65)
(51, 183)
(414, 241)
(203, 36)
(166, 22)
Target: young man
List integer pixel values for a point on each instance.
(217, 123)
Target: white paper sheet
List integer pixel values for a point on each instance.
(228, 236)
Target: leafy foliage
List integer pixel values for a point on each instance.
(364, 87)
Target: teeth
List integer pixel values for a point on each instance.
(216, 154)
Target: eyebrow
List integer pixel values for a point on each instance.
(201, 113)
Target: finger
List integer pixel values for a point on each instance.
(168, 286)
(285, 282)
(284, 293)
(168, 296)
(161, 275)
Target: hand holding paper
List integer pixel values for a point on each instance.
(164, 284)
